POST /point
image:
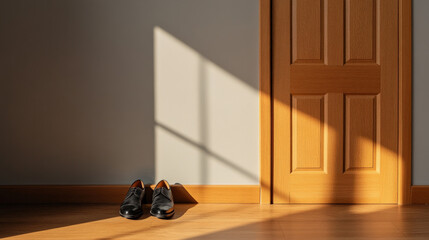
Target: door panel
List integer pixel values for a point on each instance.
(307, 28)
(307, 133)
(360, 135)
(334, 101)
(361, 18)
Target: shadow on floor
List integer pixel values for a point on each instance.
(22, 219)
(219, 221)
(334, 222)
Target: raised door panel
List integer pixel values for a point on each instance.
(361, 133)
(308, 133)
(361, 24)
(307, 31)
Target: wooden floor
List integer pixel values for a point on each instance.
(218, 221)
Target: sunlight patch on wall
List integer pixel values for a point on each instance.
(206, 119)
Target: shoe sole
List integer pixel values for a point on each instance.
(163, 216)
(131, 216)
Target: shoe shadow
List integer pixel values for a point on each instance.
(182, 200)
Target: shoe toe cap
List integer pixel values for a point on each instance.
(162, 209)
(130, 210)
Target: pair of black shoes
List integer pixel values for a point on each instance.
(162, 201)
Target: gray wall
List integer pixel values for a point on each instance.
(420, 92)
(104, 92)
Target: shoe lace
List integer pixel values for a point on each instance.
(131, 192)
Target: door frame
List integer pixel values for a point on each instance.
(404, 107)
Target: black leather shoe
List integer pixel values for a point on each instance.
(162, 201)
(131, 207)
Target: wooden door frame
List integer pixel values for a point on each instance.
(404, 111)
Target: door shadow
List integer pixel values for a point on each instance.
(331, 222)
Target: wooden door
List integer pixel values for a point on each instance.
(335, 96)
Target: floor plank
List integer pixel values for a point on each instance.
(217, 221)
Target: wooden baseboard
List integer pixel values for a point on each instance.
(420, 194)
(115, 193)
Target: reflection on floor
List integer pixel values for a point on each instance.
(218, 221)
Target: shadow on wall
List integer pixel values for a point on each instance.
(103, 93)
(202, 118)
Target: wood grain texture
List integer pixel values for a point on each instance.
(389, 100)
(360, 30)
(324, 79)
(307, 31)
(116, 193)
(216, 221)
(281, 61)
(334, 29)
(419, 195)
(333, 38)
(377, 77)
(405, 101)
(307, 133)
(360, 136)
(265, 100)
